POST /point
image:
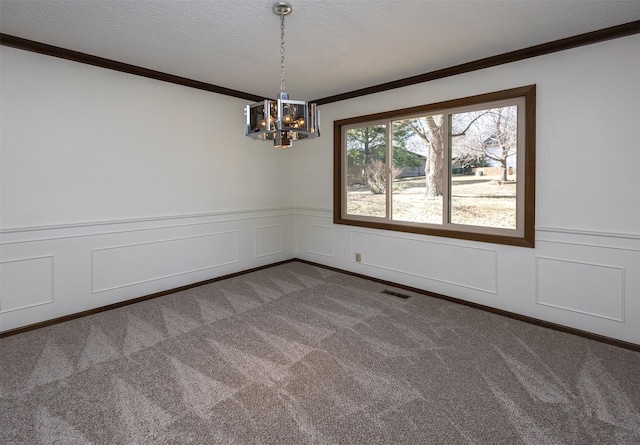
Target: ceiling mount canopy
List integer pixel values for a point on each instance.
(282, 120)
(282, 8)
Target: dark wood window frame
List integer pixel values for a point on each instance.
(526, 235)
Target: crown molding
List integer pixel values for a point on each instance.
(75, 56)
(589, 38)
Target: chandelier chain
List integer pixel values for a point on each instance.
(282, 53)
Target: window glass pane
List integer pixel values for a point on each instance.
(463, 168)
(418, 147)
(366, 171)
(484, 145)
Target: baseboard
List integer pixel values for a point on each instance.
(53, 321)
(513, 315)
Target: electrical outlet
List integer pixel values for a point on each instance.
(358, 257)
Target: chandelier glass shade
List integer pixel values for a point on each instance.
(282, 120)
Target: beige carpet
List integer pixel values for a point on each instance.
(297, 354)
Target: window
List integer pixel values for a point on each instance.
(462, 169)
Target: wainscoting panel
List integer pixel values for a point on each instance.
(586, 280)
(26, 282)
(589, 281)
(470, 267)
(269, 241)
(590, 289)
(321, 240)
(122, 266)
(101, 263)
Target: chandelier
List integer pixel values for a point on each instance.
(282, 120)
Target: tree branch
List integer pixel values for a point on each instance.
(463, 132)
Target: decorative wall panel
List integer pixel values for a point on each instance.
(586, 288)
(321, 240)
(121, 266)
(269, 240)
(470, 267)
(26, 282)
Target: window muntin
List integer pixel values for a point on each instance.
(462, 169)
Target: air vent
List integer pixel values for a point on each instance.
(396, 294)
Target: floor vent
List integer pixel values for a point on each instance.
(396, 294)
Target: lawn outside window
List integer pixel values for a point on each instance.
(463, 168)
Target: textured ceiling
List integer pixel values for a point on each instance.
(332, 46)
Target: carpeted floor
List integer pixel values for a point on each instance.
(297, 354)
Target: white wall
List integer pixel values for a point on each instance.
(585, 269)
(115, 186)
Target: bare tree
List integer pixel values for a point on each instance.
(429, 130)
(375, 175)
(488, 134)
(483, 134)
